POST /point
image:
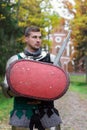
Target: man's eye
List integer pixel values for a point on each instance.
(36, 37)
(40, 37)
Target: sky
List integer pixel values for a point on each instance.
(59, 8)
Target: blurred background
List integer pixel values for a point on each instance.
(55, 18)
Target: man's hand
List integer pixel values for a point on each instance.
(6, 90)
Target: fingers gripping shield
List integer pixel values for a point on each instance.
(37, 80)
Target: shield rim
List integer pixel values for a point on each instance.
(33, 97)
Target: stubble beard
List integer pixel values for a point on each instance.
(33, 48)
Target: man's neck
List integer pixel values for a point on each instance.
(34, 53)
(31, 50)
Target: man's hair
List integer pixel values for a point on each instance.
(28, 30)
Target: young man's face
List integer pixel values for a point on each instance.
(33, 41)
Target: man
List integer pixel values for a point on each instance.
(28, 112)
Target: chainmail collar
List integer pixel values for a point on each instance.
(34, 54)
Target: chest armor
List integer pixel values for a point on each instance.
(43, 58)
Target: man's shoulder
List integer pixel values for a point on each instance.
(11, 60)
(15, 57)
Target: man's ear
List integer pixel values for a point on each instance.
(26, 39)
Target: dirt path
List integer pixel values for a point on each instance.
(73, 111)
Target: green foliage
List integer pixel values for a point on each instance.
(38, 13)
(9, 32)
(79, 26)
(47, 44)
(79, 30)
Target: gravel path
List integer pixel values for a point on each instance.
(73, 110)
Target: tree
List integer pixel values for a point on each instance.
(79, 32)
(36, 12)
(9, 32)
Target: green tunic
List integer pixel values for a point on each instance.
(23, 103)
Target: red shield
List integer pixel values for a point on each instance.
(37, 80)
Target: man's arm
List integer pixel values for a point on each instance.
(5, 87)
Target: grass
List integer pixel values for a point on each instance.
(78, 84)
(5, 105)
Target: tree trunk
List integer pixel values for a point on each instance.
(86, 67)
(18, 8)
